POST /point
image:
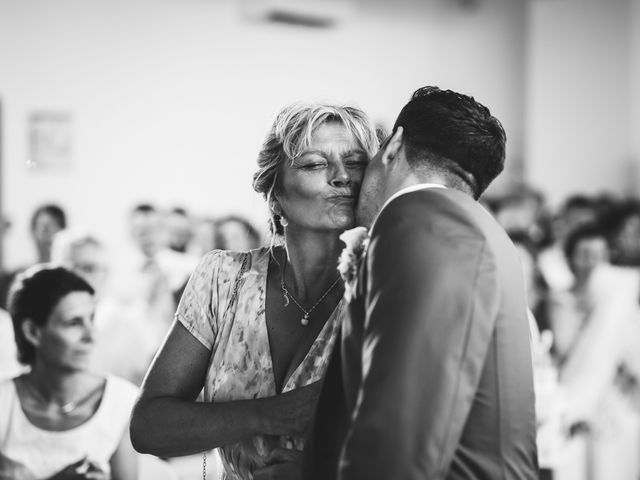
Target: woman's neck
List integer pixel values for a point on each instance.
(53, 384)
(580, 282)
(312, 261)
(44, 254)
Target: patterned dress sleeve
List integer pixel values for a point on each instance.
(198, 307)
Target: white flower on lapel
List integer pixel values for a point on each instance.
(356, 241)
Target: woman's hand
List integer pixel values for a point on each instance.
(167, 421)
(290, 412)
(282, 464)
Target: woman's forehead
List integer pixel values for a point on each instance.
(74, 303)
(330, 136)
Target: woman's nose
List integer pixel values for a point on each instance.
(89, 331)
(341, 177)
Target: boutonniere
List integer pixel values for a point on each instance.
(356, 241)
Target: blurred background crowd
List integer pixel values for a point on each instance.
(129, 133)
(139, 290)
(581, 262)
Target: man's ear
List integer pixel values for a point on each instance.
(393, 147)
(31, 332)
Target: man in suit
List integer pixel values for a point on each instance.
(433, 376)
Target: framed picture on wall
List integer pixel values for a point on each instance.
(50, 139)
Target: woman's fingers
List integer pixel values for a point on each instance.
(289, 412)
(282, 455)
(288, 466)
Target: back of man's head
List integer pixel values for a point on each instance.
(454, 135)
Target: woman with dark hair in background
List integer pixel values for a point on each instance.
(46, 221)
(60, 421)
(255, 329)
(234, 232)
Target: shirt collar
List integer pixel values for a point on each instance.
(412, 188)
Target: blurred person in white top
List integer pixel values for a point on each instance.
(596, 327)
(84, 254)
(173, 257)
(9, 365)
(127, 331)
(60, 420)
(159, 271)
(179, 229)
(577, 210)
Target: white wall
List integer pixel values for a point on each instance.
(634, 85)
(578, 97)
(171, 99)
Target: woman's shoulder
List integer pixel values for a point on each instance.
(7, 389)
(122, 386)
(9, 406)
(118, 399)
(236, 256)
(231, 261)
(228, 258)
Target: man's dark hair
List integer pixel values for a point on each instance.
(454, 134)
(34, 294)
(54, 211)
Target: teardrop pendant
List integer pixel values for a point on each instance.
(304, 321)
(67, 408)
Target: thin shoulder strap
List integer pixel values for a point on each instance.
(243, 269)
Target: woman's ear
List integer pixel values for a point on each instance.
(393, 147)
(31, 332)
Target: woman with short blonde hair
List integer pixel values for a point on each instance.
(256, 329)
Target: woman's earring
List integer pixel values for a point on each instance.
(283, 221)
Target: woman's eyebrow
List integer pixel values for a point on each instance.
(324, 154)
(354, 151)
(313, 152)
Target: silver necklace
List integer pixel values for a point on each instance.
(304, 321)
(65, 408)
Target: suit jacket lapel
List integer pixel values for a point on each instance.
(352, 334)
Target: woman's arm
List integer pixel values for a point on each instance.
(124, 461)
(167, 421)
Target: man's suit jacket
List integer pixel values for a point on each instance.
(436, 374)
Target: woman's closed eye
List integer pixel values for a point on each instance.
(356, 161)
(311, 162)
(314, 165)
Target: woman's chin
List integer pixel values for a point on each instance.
(345, 223)
(343, 218)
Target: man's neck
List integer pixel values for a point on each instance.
(412, 179)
